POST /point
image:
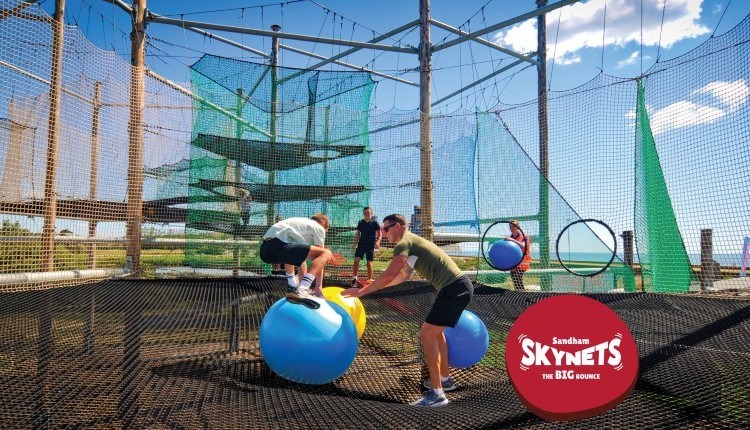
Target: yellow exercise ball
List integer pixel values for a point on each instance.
(352, 305)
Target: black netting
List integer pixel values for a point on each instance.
(184, 354)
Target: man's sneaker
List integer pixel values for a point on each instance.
(354, 283)
(447, 385)
(430, 398)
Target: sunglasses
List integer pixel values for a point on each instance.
(386, 227)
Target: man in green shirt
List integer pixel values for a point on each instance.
(413, 253)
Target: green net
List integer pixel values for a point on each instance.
(269, 143)
(664, 262)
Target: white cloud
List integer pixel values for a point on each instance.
(725, 98)
(628, 61)
(731, 94)
(683, 114)
(581, 26)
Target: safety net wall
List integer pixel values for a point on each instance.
(243, 145)
(665, 163)
(185, 354)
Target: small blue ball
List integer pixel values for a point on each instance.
(467, 342)
(505, 254)
(310, 346)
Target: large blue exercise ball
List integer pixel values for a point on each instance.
(467, 342)
(310, 346)
(505, 254)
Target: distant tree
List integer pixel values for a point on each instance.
(9, 228)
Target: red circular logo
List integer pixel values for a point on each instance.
(570, 357)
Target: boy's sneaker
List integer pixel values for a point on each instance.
(448, 384)
(430, 398)
(354, 283)
(297, 293)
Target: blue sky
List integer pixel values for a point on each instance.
(621, 37)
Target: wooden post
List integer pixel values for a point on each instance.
(425, 124)
(44, 351)
(274, 123)
(94, 176)
(544, 240)
(53, 140)
(326, 138)
(237, 179)
(128, 404)
(627, 242)
(709, 268)
(135, 131)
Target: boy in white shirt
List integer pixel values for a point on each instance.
(293, 241)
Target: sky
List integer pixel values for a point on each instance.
(624, 38)
(620, 37)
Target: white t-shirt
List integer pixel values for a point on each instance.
(302, 231)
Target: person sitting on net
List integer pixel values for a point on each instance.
(454, 292)
(293, 241)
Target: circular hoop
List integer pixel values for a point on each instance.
(484, 255)
(606, 266)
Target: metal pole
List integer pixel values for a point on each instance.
(425, 125)
(507, 23)
(543, 145)
(53, 140)
(136, 131)
(94, 175)
(291, 36)
(270, 215)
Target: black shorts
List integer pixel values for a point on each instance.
(450, 302)
(369, 253)
(275, 251)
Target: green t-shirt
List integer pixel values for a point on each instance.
(432, 263)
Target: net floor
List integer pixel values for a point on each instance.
(183, 354)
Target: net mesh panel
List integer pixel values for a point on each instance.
(508, 186)
(185, 354)
(664, 262)
(698, 113)
(306, 153)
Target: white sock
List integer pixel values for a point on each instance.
(444, 378)
(438, 392)
(291, 279)
(307, 281)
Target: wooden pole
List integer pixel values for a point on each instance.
(326, 138)
(708, 266)
(237, 178)
(627, 242)
(274, 122)
(543, 145)
(128, 403)
(425, 125)
(53, 140)
(135, 131)
(94, 176)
